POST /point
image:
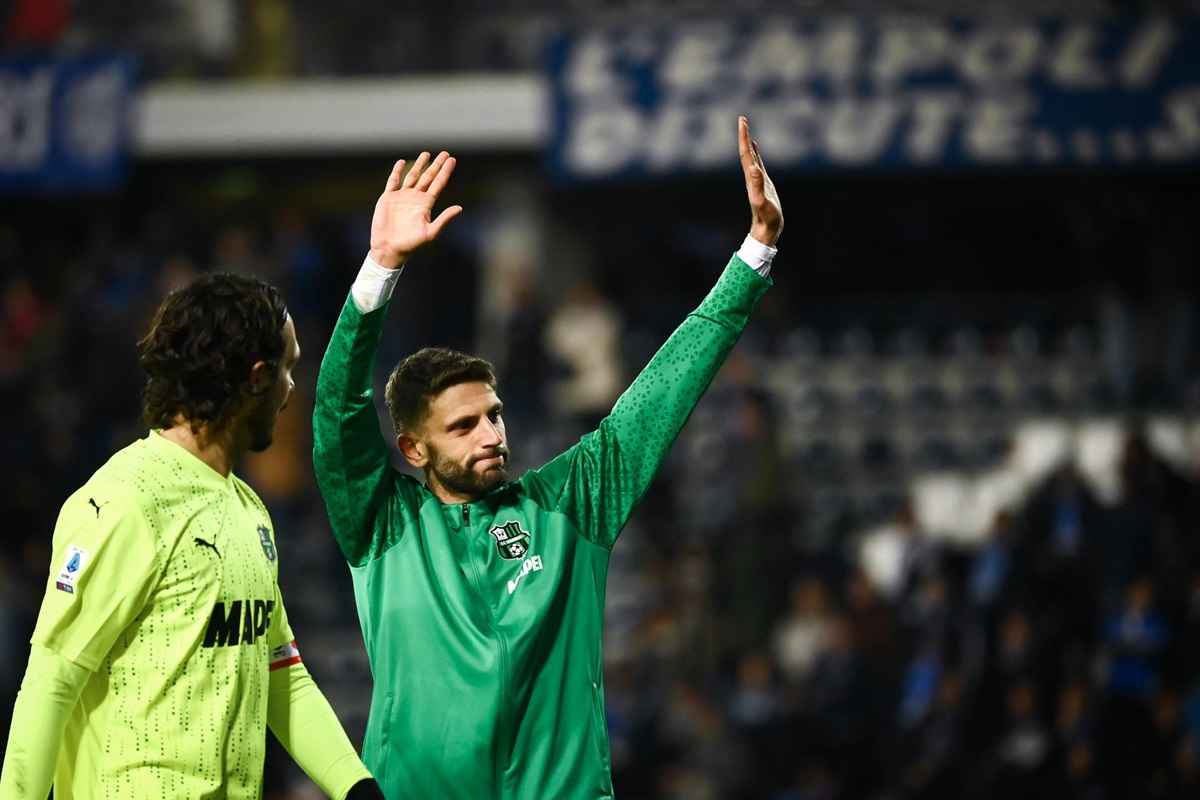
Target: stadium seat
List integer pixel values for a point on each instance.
(936, 453)
(1096, 395)
(802, 344)
(872, 402)
(1078, 343)
(1039, 397)
(825, 512)
(877, 504)
(1025, 343)
(989, 449)
(910, 343)
(985, 399)
(927, 400)
(813, 405)
(818, 458)
(856, 343)
(877, 454)
(966, 343)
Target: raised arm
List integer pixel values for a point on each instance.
(350, 455)
(599, 481)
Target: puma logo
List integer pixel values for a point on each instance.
(201, 543)
(92, 501)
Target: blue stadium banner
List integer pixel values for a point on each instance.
(893, 93)
(64, 123)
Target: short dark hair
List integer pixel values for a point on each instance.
(422, 376)
(201, 345)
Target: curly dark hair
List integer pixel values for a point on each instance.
(422, 376)
(201, 345)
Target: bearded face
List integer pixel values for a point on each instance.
(260, 425)
(461, 444)
(266, 407)
(474, 477)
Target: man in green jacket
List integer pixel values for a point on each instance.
(481, 599)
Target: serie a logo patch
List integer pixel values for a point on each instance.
(72, 568)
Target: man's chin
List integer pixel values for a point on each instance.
(493, 477)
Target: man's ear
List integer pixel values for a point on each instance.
(262, 376)
(413, 450)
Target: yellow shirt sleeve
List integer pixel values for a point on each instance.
(304, 723)
(301, 718)
(48, 695)
(104, 567)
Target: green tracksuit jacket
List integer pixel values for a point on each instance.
(482, 621)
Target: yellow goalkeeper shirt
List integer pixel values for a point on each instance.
(163, 585)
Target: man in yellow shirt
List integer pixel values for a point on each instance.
(162, 651)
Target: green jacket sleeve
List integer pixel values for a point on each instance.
(600, 480)
(351, 459)
(48, 695)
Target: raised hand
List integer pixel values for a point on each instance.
(766, 212)
(403, 220)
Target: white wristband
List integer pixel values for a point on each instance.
(758, 256)
(374, 285)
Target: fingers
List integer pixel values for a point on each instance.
(414, 174)
(442, 219)
(752, 166)
(744, 141)
(428, 175)
(756, 185)
(393, 181)
(424, 176)
(443, 175)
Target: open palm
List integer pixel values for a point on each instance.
(766, 211)
(403, 220)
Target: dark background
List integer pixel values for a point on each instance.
(755, 646)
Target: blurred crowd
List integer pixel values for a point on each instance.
(748, 654)
(1057, 659)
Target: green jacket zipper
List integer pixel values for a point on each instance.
(509, 712)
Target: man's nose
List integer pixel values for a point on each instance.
(492, 435)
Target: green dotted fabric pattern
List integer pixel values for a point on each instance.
(351, 458)
(164, 716)
(442, 618)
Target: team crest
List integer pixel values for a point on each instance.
(264, 537)
(511, 541)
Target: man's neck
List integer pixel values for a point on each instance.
(218, 451)
(448, 496)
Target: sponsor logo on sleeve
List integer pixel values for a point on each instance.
(76, 562)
